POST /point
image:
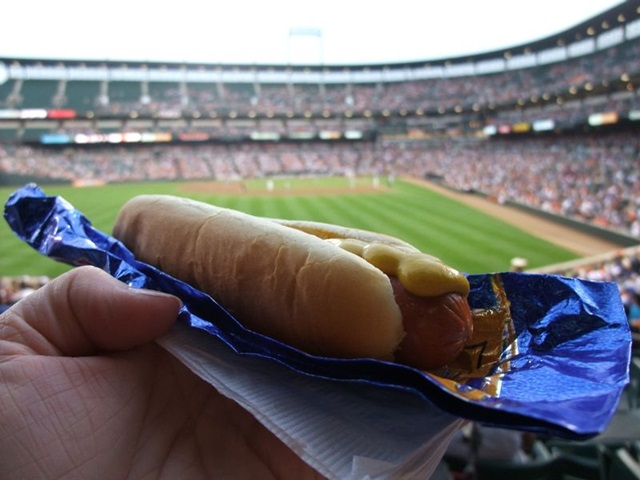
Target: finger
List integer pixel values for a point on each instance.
(84, 311)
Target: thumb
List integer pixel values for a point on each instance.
(85, 311)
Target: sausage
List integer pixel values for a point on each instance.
(448, 314)
(432, 297)
(325, 293)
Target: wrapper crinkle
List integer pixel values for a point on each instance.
(553, 348)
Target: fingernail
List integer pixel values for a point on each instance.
(154, 293)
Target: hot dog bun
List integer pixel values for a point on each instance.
(329, 230)
(438, 322)
(325, 289)
(344, 306)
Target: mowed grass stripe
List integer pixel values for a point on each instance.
(382, 213)
(437, 233)
(304, 208)
(465, 238)
(348, 210)
(481, 237)
(460, 235)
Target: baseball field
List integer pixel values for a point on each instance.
(462, 236)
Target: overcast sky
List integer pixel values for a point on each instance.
(259, 31)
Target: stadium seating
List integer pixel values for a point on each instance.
(624, 466)
(601, 74)
(38, 94)
(82, 95)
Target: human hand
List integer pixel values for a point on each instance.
(85, 393)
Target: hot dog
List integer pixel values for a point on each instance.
(324, 289)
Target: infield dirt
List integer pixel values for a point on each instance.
(239, 188)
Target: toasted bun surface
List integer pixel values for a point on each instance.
(276, 280)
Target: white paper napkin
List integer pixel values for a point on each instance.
(345, 430)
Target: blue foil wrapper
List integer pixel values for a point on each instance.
(551, 354)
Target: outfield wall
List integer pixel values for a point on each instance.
(612, 236)
(594, 260)
(15, 180)
(618, 238)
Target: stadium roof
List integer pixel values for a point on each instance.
(281, 32)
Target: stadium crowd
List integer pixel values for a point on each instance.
(595, 179)
(14, 289)
(621, 267)
(533, 85)
(592, 178)
(494, 89)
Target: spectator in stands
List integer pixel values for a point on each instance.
(475, 442)
(593, 179)
(23, 289)
(86, 393)
(14, 289)
(5, 294)
(518, 264)
(633, 310)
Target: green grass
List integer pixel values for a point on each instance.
(463, 237)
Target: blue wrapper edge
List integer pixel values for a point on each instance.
(573, 343)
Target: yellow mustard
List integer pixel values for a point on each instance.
(419, 273)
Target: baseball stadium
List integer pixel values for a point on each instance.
(525, 158)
